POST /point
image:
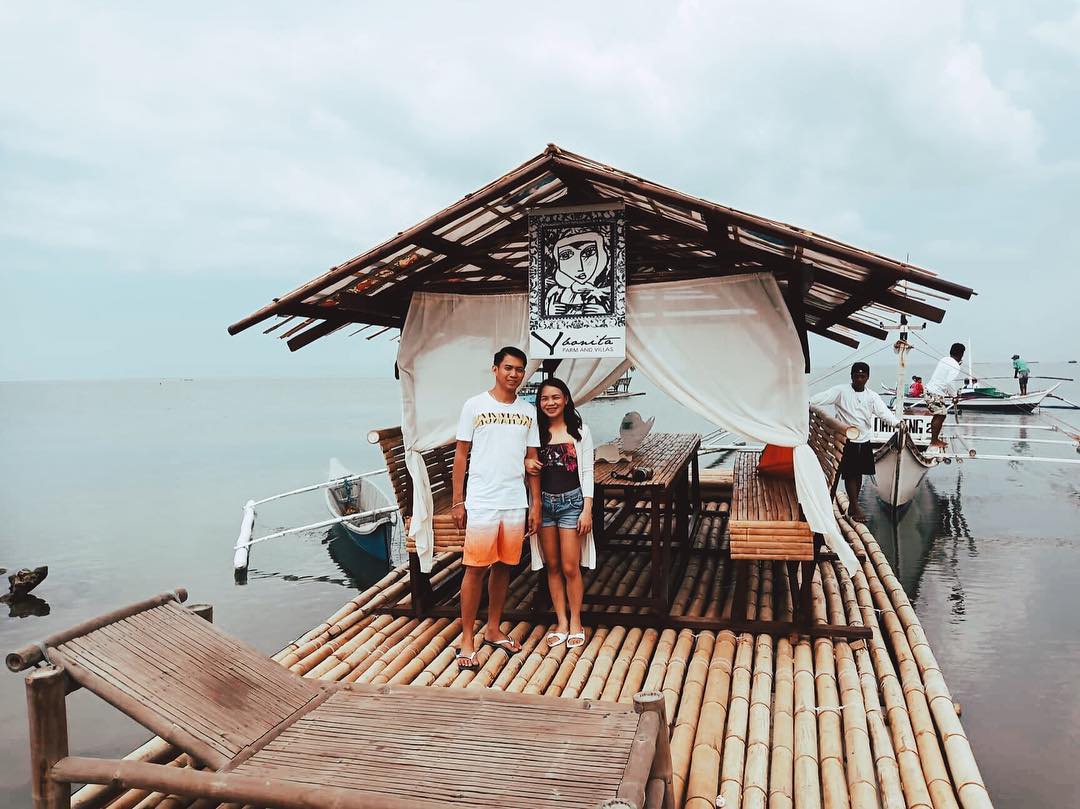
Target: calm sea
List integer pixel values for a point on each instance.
(129, 488)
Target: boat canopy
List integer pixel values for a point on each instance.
(479, 245)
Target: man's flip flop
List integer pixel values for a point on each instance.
(506, 644)
(575, 640)
(470, 664)
(555, 639)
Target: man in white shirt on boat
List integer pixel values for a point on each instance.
(942, 391)
(495, 510)
(856, 405)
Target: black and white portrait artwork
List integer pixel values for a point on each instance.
(577, 276)
(580, 277)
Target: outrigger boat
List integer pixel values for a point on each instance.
(349, 495)
(987, 400)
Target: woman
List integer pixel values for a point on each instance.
(566, 483)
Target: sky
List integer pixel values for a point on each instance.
(165, 169)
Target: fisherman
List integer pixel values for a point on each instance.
(942, 390)
(1021, 371)
(857, 406)
(916, 387)
(501, 432)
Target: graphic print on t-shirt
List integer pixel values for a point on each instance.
(518, 419)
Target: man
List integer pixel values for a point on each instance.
(501, 432)
(915, 389)
(1021, 372)
(941, 391)
(857, 406)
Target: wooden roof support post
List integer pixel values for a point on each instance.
(799, 278)
(47, 711)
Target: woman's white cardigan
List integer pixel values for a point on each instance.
(583, 448)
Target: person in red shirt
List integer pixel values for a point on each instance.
(916, 386)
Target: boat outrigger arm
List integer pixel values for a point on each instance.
(242, 549)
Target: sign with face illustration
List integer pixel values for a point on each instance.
(577, 282)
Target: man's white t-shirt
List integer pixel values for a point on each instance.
(500, 434)
(855, 407)
(943, 382)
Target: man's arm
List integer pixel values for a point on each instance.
(881, 410)
(534, 492)
(461, 463)
(826, 397)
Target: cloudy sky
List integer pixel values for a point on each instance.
(167, 168)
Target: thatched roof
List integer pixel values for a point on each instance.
(480, 245)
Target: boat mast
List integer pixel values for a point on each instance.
(902, 347)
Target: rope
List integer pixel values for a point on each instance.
(846, 363)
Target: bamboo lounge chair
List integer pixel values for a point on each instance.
(263, 735)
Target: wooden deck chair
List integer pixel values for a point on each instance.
(265, 736)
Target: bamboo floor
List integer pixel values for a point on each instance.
(756, 720)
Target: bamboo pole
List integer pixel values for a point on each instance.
(47, 711)
(733, 762)
(782, 754)
(639, 665)
(885, 760)
(583, 664)
(94, 796)
(756, 777)
(686, 722)
(862, 787)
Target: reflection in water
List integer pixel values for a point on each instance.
(933, 526)
(28, 606)
(359, 569)
(955, 533)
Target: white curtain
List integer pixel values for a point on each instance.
(726, 348)
(447, 345)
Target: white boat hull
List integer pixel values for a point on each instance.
(373, 536)
(1016, 403)
(899, 471)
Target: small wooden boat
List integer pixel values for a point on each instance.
(374, 535)
(900, 468)
(979, 400)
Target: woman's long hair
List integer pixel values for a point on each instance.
(570, 414)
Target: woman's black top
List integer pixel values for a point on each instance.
(560, 472)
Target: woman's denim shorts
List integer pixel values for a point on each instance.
(562, 510)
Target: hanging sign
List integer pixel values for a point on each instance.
(577, 282)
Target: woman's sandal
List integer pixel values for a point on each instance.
(470, 664)
(559, 639)
(575, 640)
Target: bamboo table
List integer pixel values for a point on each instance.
(673, 501)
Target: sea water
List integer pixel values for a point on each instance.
(130, 488)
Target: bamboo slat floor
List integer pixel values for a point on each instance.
(757, 720)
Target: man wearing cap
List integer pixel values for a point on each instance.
(857, 406)
(915, 389)
(1020, 371)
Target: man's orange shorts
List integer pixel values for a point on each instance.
(493, 535)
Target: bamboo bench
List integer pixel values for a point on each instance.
(448, 538)
(259, 734)
(767, 523)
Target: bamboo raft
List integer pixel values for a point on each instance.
(755, 720)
